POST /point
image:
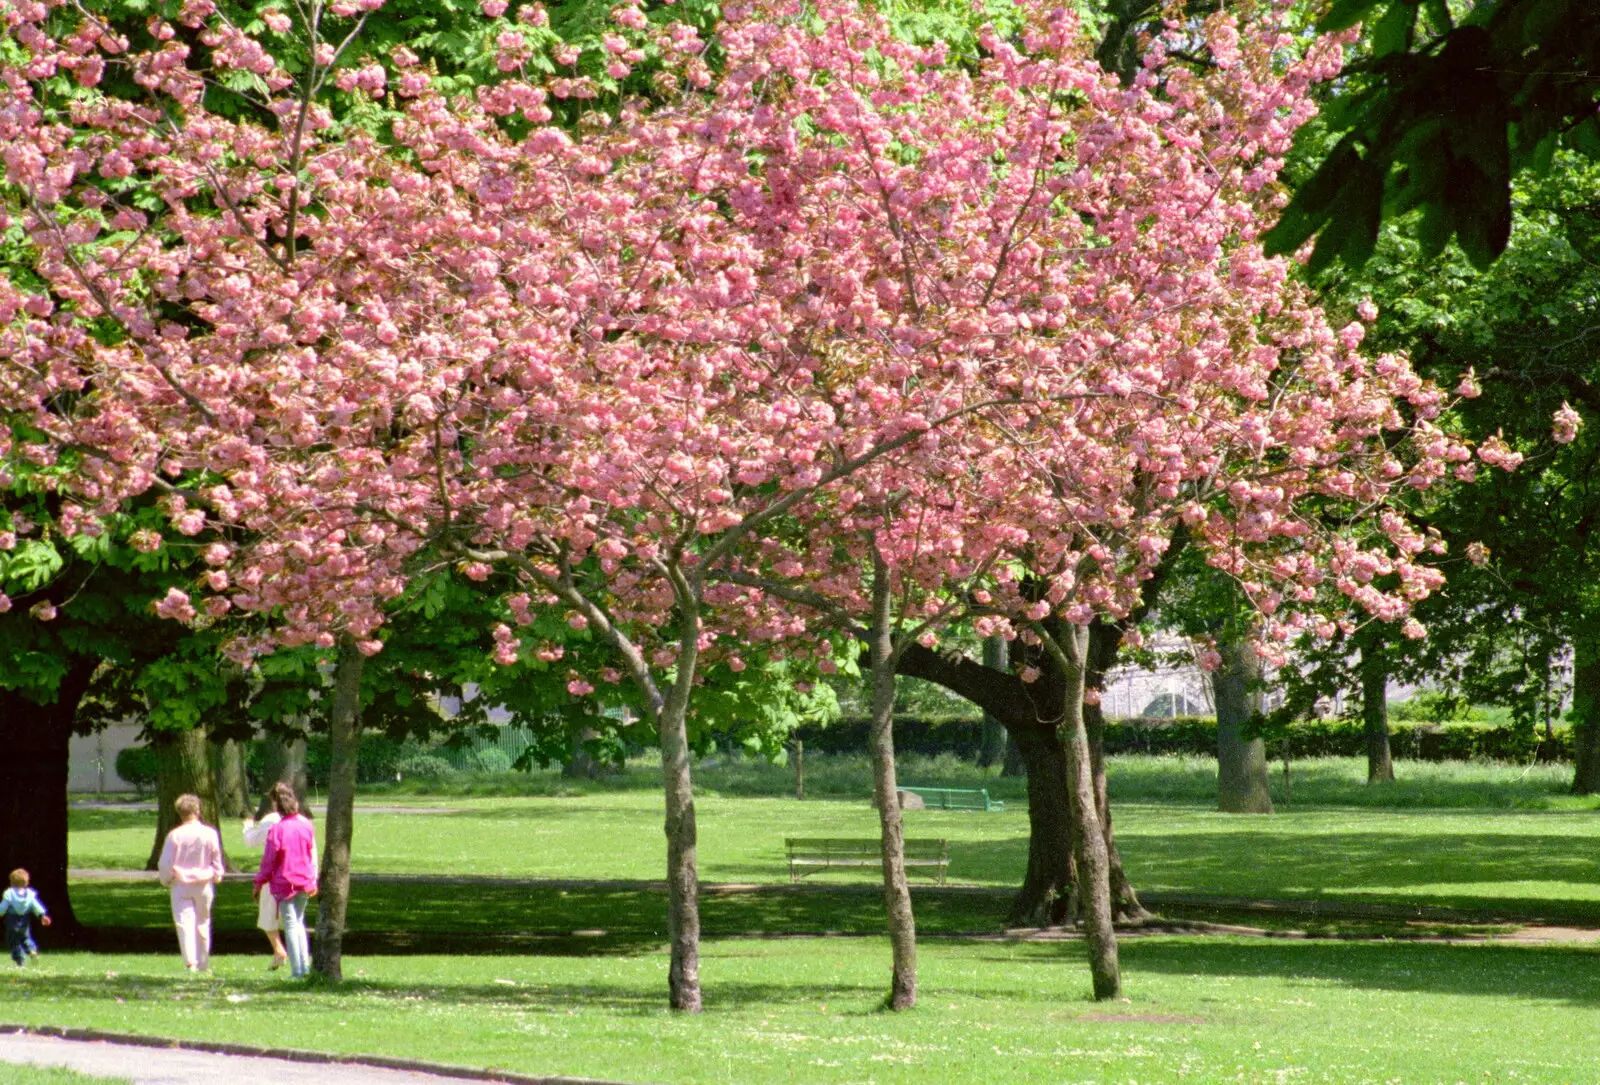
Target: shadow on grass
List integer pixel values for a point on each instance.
(429, 918)
(1557, 974)
(1560, 973)
(643, 998)
(1265, 863)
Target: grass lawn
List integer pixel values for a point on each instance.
(18, 1074)
(803, 1010)
(1525, 849)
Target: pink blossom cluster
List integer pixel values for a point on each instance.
(1008, 324)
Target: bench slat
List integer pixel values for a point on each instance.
(819, 853)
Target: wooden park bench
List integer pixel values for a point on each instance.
(807, 855)
(951, 798)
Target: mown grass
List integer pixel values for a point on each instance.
(806, 1010)
(1506, 855)
(23, 1074)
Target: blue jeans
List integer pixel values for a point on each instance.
(19, 940)
(292, 916)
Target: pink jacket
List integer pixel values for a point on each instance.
(287, 866)
(192, 855)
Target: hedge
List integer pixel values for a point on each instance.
(1197, 736)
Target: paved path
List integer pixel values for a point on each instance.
(172, 1066)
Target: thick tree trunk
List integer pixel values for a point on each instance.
(1015, 765)
(34, 739)
(233, 798)
(1241, 762)
(583, 765)
(1088, 839)
(896, 893)
(1047, 894)
(992, 750)
(283, 760)
(1586, 716)
(344, 745)
(183, 760)
(1375, 711)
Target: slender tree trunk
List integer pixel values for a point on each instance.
(35, 739)
(1046, 895)
(1586, 716)
(896, 893)
(344, 745)
(1375, 710)
(1088, 839)
(184, 765)
(233, 799)
(799, 748)
(683, 875)
(1104, 642)
(1241, 762)
(992, 750)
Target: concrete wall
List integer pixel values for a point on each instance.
(93, 758)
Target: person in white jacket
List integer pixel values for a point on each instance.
(255, 836)
(191, 866)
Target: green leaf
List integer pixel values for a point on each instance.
(1392, 34)
(1347, 13)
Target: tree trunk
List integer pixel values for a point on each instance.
(1088, 839)
(33, 792)
(1241, 762)
(583, 765)
(683, 874)
(1586, 716)
(1046, 896)
(344, 744)
(1375, 710)
(233, 798)
(992, 749)
(896, 894)
(1015, 765)
(1104, 642)
(183, 760)
(799, 748)
(283, 761)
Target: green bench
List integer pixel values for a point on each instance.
(951, 798)
(807, 855)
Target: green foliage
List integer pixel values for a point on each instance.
(139, 765)
(1439, 117)
(1420, 739)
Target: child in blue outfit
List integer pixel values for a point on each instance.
(18, 906)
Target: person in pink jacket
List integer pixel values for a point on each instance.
(191, 866)
(289, 872)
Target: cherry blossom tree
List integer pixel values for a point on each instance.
(621, 361)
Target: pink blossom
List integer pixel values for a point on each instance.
(1564, 427)
(43, 611)
(175, 605)
(579, 688)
